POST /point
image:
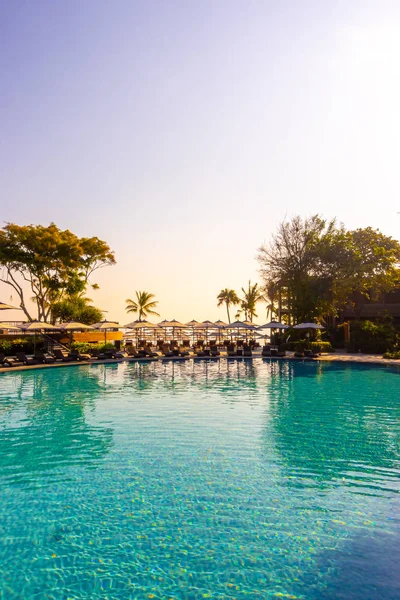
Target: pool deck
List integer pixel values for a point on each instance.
(339, 356)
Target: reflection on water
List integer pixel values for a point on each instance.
(43, 423)
(209, 479)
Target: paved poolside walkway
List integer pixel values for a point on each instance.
(342, 356)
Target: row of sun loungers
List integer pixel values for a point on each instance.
(147, 352)
(58, 355)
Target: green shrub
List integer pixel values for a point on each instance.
(394, 355)
(5, 347)
(82, 347)
(85, 347)
(321, 346)
(301, 345)
(372, 337)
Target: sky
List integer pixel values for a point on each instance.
(184, 132)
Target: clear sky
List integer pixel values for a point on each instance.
(183, 132)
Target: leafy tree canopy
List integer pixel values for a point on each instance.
(53, 263)
(316, 265)
(76, 308)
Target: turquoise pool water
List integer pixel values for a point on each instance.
(229, 479)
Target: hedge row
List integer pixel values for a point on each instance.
(301, 345)
(23, 344)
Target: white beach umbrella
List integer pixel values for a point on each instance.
(221, 325)
(10, 327)
(104, 326)
(206, 326)
(308, 326)
(38, 326)
(141, 325)
(174, 324)
(240, 325)
(4, 306)
(193, 323)
(273, 325)
(74, 326)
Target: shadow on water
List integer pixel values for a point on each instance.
(44, 427)
(368, 569)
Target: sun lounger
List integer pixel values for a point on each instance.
(281, 351)
(247, 350)
(9, 361)
(214, 350)
(147, 351)
(63, 356)
(266, 351)
(45, 358)
(78, 356)
(231, 350)
(184, 351)
(198, 350)
(21, 357)
(166, 351)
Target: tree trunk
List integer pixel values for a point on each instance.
(279, 305)
(227, 310)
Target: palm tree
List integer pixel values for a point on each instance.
(227, 297)
(271, 290)
(144, 305)
(249, 301)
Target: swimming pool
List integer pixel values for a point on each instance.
(228, 479)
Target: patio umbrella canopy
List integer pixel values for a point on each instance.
(4, 306)
(274, 325)
(174, 324)
(141, 325)
(10, 327)
(206, 325)
(38, 326)
(104, 325)
(35, 326)
(193, 324)
(240, 325)
(308, 326)
(74, 326)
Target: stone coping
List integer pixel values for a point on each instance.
(332, 357)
